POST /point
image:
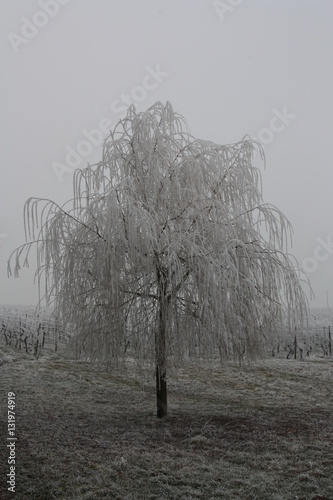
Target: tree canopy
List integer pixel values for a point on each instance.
(166, 248)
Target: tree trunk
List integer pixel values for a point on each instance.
(161, 393)
(160, 352)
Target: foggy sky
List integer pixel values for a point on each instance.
(231, 68)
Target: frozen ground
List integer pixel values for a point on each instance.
(264, 431)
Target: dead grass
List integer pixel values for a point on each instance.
(260, 432)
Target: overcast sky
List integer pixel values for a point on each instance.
(231, 68)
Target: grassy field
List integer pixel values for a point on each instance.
(264, 431)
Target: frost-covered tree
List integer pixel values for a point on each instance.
(166, 251)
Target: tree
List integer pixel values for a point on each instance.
(166, 249)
